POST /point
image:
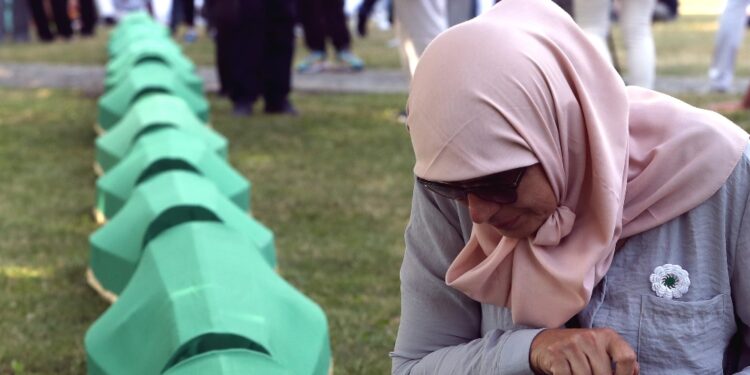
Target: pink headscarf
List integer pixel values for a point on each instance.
(520, 85)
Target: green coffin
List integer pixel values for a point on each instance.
(155, 113)
(120, 68)
(202, 288)
(166, 200)
(145, 79)
(229, 362)
(166, 150)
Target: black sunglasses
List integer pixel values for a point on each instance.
(498, 187)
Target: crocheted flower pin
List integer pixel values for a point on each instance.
(670, 281)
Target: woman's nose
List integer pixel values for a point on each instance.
(479, 209)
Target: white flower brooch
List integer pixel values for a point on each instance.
(670, 281)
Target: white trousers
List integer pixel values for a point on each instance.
(417, 23)
(162, 11)
(728, 41)
(635, 20)
(106, 8)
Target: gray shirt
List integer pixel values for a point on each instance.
(442, 331)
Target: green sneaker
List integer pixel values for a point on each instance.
(350, 60)
(313, 63)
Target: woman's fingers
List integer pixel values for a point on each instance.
(582, 352)
(623, 356)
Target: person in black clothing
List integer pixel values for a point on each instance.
(254, 48)
(325, 20)
(89, 16)
(183, 11)
(60, 14)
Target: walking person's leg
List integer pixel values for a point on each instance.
(728, 40)
(2, 20)
(88, 17)
(593, 17)
(62, 19)
(20, 21)
(40, 20)
(223, 63)
(334, 21)
(311, 18)
(635, 21)
(176, 15)
(417, 23)
(188, 13)
(242, 43)
(278, 49)
(106, 9)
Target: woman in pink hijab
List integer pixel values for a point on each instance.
(563, 223)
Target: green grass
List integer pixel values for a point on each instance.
(333, 184)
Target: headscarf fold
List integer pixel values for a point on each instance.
(521, 85)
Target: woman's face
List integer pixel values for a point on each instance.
(536, 202)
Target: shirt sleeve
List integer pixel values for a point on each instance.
(440, 328)
(741, 291)
(740, 263)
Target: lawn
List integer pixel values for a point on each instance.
(334, 185)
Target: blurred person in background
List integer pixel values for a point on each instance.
(417, 22)
(183, 11)
(87, 17)
(112, 10)
(732, 25)
(106, 10)
(19, 20)
(63, 27)
(324, 20)
(594, 17)
(254, 48)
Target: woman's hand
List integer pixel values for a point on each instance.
(596, 351)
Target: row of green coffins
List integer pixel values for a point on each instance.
(144, 60)
(191, 271)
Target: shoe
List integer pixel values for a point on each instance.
(191, 36)
(716, 89)
(242, 110)
(286, 108)
(313, 63)
(350, 60)
(402, 116)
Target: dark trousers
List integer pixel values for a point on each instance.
(254, 52)
(324, 19)
(182, 11)
(60, 14)
(88, 16)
